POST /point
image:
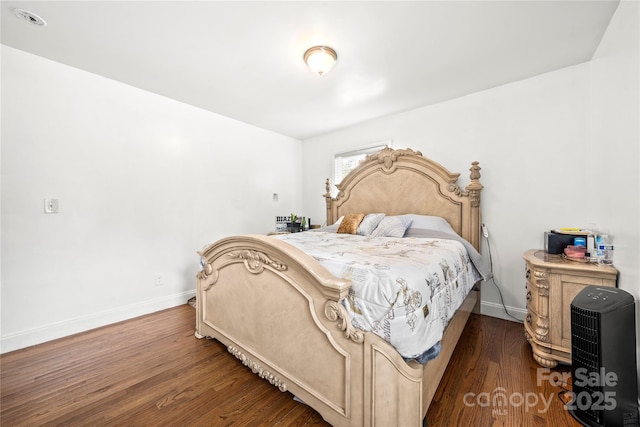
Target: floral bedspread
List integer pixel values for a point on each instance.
(403, 289)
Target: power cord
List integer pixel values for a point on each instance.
(485, 233)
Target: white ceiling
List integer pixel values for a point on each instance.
(244, 59)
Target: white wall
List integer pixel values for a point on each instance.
(143, 183)
(531, 139)
(560, 149)
(615, 144)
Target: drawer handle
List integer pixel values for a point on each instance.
(529, 296)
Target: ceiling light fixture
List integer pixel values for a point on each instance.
(320, 59)
(30, 17)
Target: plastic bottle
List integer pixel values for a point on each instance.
(591, 243)
(605, 248)
(597, 254)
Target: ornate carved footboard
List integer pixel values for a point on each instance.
(277, 311)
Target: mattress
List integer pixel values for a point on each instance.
(405, 290)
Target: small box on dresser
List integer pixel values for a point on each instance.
(552, 281)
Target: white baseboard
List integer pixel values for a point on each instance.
(497, 310)
(68, 327)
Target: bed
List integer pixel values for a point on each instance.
(284, 315)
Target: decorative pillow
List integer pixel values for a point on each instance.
(392, 226)
(369, 223)
(429, 222)
(349, 224)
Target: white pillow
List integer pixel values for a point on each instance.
(333, 228)
(369, 223)
(392, 226)
(429, 222)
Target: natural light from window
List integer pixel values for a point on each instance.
(344, 163)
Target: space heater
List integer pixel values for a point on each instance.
(603, 356)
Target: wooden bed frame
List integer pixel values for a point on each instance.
(277, 309)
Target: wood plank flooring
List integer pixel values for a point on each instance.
(151, 371)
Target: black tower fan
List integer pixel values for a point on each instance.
(603, 356)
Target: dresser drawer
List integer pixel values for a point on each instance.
(532, 297)
(537, 326)
(537, 289)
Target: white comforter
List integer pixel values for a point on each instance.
(403, 289)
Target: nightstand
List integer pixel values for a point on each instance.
(552, 283)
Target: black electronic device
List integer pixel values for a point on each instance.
(603, 357)
(555, 243)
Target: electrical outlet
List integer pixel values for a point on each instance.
(485, 231)
(157, 279)
(51, 206)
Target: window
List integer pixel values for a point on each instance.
(343, 163)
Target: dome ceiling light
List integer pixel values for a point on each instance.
(320, 59)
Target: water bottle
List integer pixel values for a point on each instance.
(597, 255)
(605, 248)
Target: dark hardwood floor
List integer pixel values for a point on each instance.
(151, 371)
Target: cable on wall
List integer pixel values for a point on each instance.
(485, 233)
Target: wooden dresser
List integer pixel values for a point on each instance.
(552, 283)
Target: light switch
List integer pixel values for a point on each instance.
(51, 206)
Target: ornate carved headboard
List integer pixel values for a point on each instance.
(398, 182)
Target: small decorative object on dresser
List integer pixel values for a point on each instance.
(553, 281)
